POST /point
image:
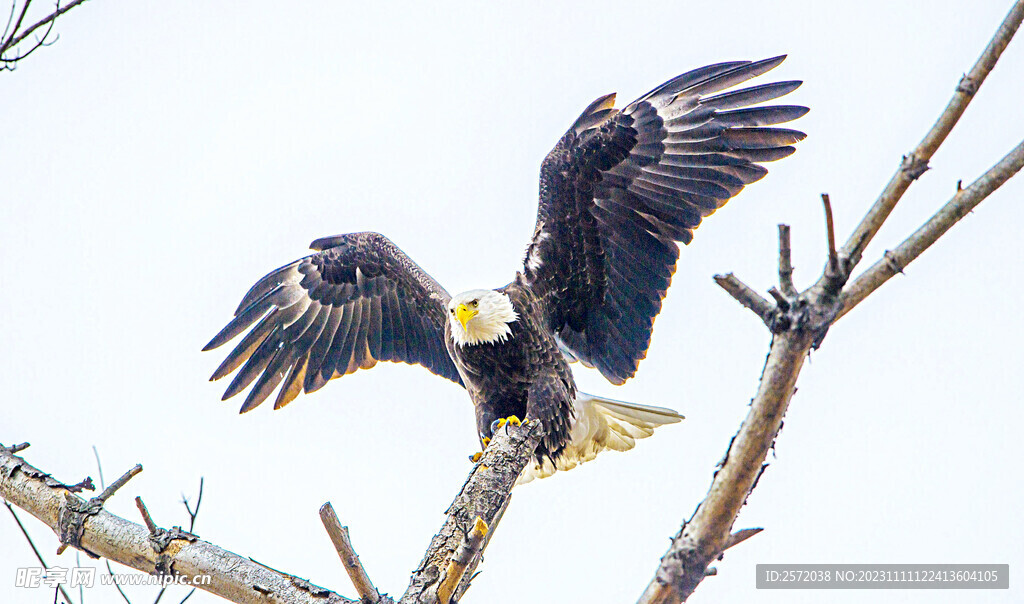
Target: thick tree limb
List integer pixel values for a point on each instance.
(232, 576)
(705, 535)
(447, 567)
(960, 205)
(916, 162)
(800, 321)
(484, 495)
(457, 566)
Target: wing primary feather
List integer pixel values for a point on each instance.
(246, 347)
(360, 342)
(292, 383)
(751, 95)
(761, 116)
(336, 352)
(684, 81)
(320, 347)
(398, 327)
(275, 371)
(374, 331)
(735, 76)
(243, 319)
(256, 363)
(761, 138)
(273, 280)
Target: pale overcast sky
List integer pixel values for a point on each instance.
(161, 157)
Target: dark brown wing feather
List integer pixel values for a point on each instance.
(622, 187)
(358, 301)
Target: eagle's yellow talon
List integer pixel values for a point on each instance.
(514, 421)
(486, 441)
(476, 457)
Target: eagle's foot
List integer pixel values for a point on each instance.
(476, 457)
(511, 420)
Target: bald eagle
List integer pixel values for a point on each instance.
(617, 193)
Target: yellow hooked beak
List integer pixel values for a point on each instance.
(463, 313)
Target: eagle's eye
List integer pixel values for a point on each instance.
(474, 303)
(452, 310)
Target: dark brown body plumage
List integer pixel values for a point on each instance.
(526, 375)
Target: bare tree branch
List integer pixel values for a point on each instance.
(457, 566)
(484, 495)
(745, 295)
(960, 205)
(704, 536)
(800, 322)
(11, 39)
(786, 262)
(449, 563)
(368, 594)
(916, 162)
(233, 577)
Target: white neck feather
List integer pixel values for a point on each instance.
(491, 324)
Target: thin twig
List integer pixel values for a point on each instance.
(99, 467)
(830, 230)
(199, 501)
(368, 594)
(81, 588)
(35, 550)
(786, 263)
(107, 493)
(956, 208)
(746, 296)
(103, 485)
(117, 484)
(740, 536)
(915, 163)
(9, 64)
(17, 39)
(5, 44)
(10, 18)
(150, 525)
(110, 571)
(780, 300)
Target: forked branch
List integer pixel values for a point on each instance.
(916, 162)
(799, 321)
(965, 200)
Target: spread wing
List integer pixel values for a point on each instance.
(358, 301)
(622, 187)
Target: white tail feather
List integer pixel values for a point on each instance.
(600, 424)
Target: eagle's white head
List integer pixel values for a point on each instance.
(481, 316)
